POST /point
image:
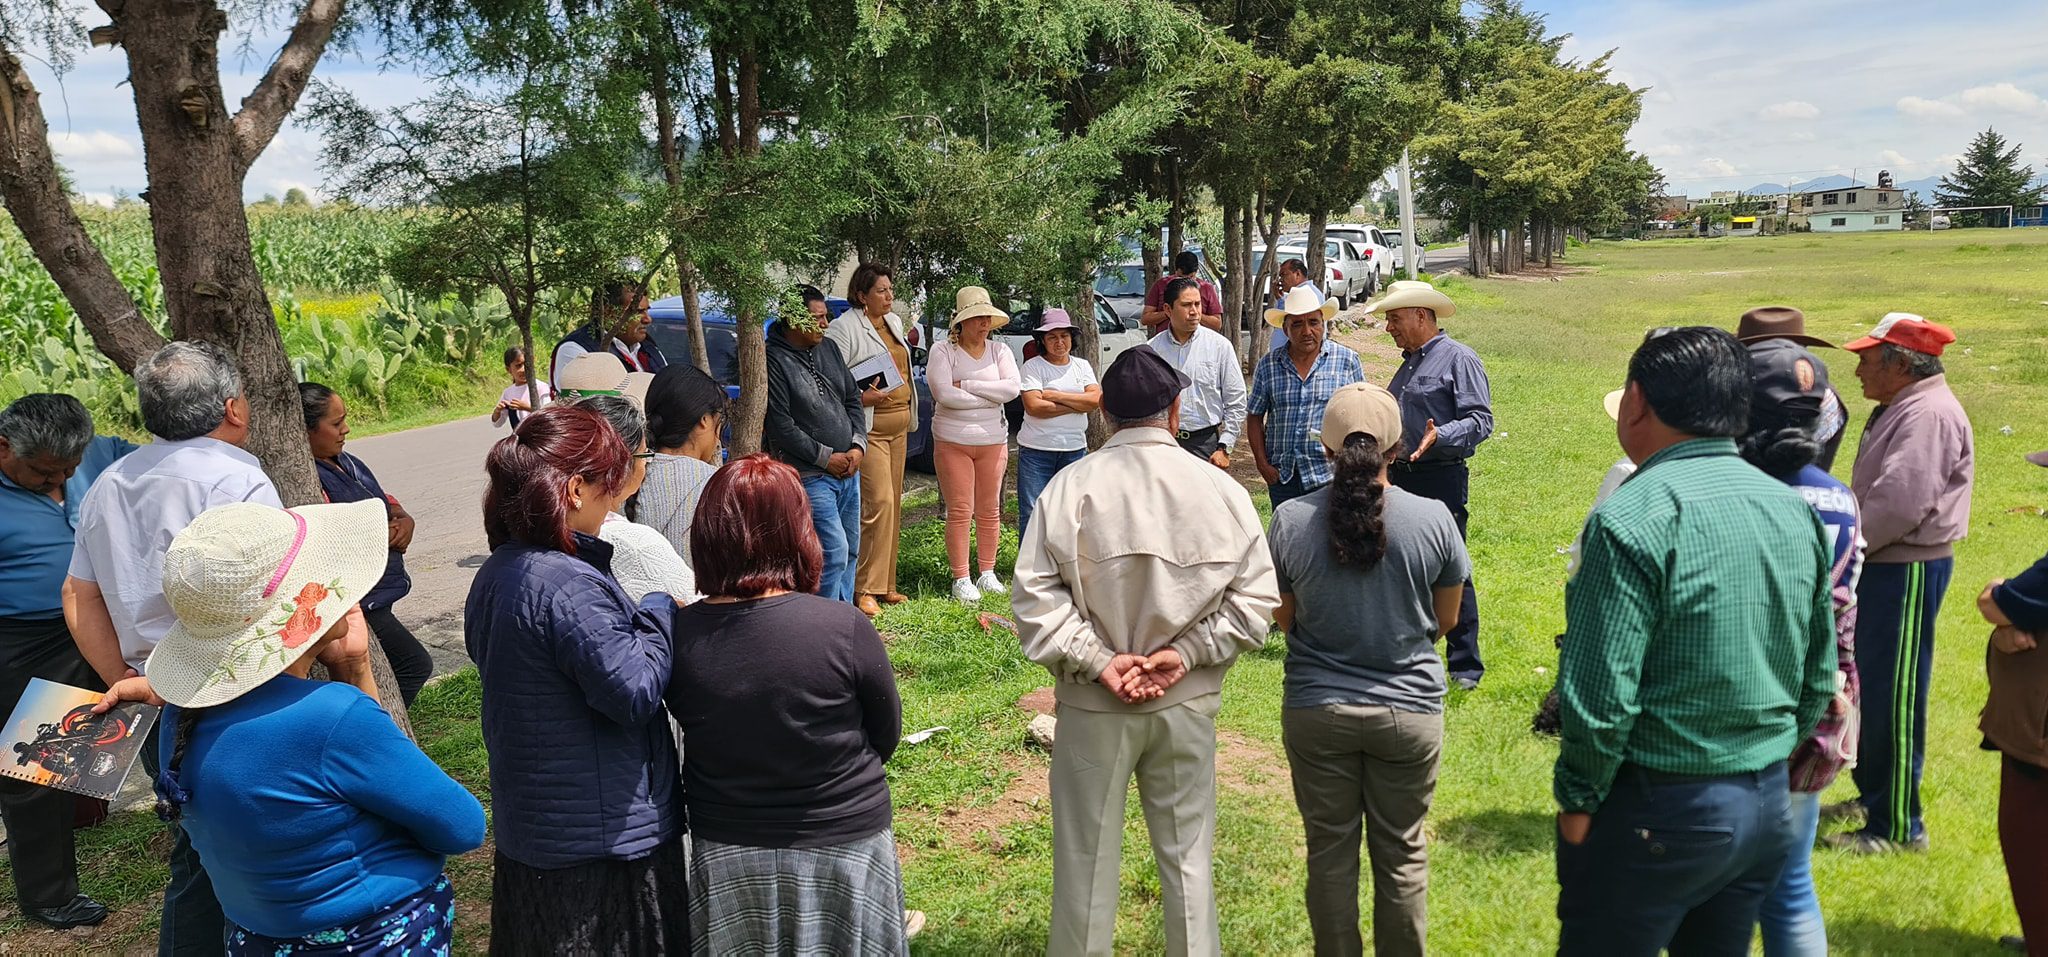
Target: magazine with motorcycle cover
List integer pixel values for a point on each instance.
(55, 740)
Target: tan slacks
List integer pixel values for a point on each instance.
(881, 502)
(1172, 752)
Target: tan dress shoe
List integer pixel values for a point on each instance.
(866, 603)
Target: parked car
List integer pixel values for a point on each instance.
(1337, 283)
(1123, 284)
(1373, 241)
(1398, 253)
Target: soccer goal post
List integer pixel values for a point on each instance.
(1940, 217)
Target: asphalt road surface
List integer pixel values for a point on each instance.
(438, 474)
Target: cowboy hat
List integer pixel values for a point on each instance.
(255, 588)
(1414, 293)
(601, 373)
(1612, 403)
(1300, 300)
(972, 302)
(1777, 322)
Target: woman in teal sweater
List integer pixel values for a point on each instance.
(323, 827)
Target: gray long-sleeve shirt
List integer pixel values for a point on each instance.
(1443, 381)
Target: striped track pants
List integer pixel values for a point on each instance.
(1896, 606)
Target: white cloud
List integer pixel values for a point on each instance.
(1894, 158)
(1714, 166)
(1663, 151)
(1789, 110)
(97, 199)
(1921, 106)
(96, 146)
(2003, 97)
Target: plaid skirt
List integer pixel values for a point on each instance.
(843, 899)
(418, 925)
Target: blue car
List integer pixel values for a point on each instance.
(721, 342)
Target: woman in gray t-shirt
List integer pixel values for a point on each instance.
(1370, 578)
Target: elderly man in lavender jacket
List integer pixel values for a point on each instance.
(1912, 481)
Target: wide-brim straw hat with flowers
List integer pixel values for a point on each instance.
(972, 302)
(1413, 293)
(1300, 300)
(255, 587)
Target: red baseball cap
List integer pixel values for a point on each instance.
(1907, 331)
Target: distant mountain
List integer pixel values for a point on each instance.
(1925, 187)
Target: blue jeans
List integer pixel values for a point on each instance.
(835, 514)
(1287, 491)
(192, 921)
(1035, 469)
(1896, 607)
(1791, 911)
(1675, 862)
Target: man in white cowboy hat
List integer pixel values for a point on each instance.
(1446, 411)
(601, 373)
(192, 401)
(1293, 275)
(1212, 405)
(1290, 388)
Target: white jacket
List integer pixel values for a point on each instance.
(1136, 547)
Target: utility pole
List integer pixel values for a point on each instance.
(1408, 256)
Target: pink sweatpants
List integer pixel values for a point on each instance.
(971, 481)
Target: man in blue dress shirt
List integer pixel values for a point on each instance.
(1446, 411)
(48, 458)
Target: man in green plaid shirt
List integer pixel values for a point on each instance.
(1699, 651)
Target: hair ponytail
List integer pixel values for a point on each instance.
(171, 794)
(1358, 532)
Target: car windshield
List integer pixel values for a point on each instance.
(1393, 237)
(1286, 253)
(1121, 281)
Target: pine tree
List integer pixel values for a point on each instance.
(1989, 174)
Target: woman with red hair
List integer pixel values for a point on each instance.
(790, 709)
(583, 768)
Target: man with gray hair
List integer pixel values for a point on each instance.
(192, 402)
(49, 456)
(1912, 481)
(1138, 613)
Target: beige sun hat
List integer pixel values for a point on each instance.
(1410, 293)
(255, 587)
(1361, 407)
(1612, 403)
(1300, 300)
(972, 302)
(601, 373)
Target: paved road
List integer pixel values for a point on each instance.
(438, 473)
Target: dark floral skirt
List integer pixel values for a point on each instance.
(604, 907)
(423, 924)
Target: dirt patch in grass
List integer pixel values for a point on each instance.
(1037, 701)
(981, 826)
(1245, 764)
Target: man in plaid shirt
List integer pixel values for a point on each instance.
(1699, 651)
(1292, 386)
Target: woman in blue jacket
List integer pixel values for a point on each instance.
(324, 829)
(583, 765)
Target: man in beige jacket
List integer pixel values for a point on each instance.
(1144, 574)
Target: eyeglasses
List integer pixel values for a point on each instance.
(644, 456)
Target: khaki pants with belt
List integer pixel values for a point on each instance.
(881, 502)
(1172, 751)
(1369, 768)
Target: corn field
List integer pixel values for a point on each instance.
(344, 322)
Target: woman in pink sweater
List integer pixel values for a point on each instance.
(972, 376)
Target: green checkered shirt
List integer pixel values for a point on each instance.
(1699, 637)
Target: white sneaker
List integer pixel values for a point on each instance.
(989, 584)
(964, 592)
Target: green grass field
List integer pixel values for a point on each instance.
(971, 814)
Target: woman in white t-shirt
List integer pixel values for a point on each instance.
(1059, 391)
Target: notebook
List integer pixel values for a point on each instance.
(53, 739)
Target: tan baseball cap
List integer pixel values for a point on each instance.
(1361, 407)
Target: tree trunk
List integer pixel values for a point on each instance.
(1249, 306)
(693, 314)
(1318, 263)
(751, 412)
(1088, 342)
(1153, 267)
(1176, 208)
(1233, 277)
(672, 171)
(1476, 243)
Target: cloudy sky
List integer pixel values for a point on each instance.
(1741, 92)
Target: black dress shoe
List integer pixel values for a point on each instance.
(81, 911)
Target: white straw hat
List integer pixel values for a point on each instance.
(255, 587)
(1411, 293)
(972, 302)
(601, 373)
(1300, 301)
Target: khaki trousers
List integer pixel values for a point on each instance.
(1172, 752)
(1356, 764)
(881, 502)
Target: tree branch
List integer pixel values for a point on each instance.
(35, 197)
(265, 108)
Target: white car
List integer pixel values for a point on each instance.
(1345, 272)
(1373, 242)
(1116, 333)
(1398, 253)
